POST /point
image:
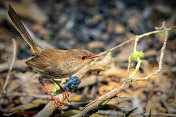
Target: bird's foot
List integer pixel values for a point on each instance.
(58, 103)
(64, 92)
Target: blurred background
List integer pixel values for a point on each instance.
(96, 25)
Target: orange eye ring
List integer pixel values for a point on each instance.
(88, 57)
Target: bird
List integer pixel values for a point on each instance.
(51, 63)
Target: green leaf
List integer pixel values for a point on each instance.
(106, 101)
(137, 54)
(162, 34)
(54, 92)
(57, 80)
(149, 113)
(131, 111)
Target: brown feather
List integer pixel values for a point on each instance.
(58, 63)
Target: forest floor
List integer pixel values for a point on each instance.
(96, 26)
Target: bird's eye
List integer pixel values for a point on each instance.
(83, 58)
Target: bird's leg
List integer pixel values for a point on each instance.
(58, 103)
(64, 92)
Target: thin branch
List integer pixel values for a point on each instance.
(29, 95)
(129, 66)
(116, 47)
(116, 91)
(132, 39)
(18, 64)
(10, 67)
(100, 100)
(115, 113)
(50, 107)
(48, 110)
(161, 57)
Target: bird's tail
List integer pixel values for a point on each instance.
(22, 30)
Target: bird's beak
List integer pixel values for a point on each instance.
(94, 56)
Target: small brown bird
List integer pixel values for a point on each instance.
(52, 63)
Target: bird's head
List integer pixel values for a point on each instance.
(81, 57)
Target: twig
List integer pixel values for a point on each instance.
(50, 107)
(116, 91)
(100, 100)
(10, 67)
(132, 39)
(129, 66)
(18, 64)
(48, 97)
(29, 95)
(115, 113)
(116, 47)
(161, 57)
(48, 110)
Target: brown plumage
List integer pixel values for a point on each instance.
(52, 63)
(56, 63)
